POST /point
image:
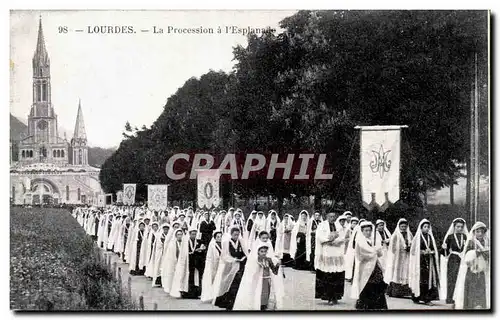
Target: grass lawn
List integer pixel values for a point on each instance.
(54, 265)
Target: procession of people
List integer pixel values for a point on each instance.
(235, 263)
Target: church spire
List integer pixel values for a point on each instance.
(41, 57)
(79, 133)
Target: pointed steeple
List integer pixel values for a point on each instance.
(79, 133)
(41, 57)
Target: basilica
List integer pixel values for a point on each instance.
(46, 168)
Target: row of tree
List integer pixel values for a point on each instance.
(308, 86)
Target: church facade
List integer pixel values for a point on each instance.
(46, 168)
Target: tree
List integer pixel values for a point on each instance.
(305, 89)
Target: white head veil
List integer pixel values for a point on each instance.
(393, 252)
(414, 270)
(475, 263)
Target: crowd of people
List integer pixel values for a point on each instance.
(237, 264)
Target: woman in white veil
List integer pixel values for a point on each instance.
(170, 259)
(283, 239)
(472, 290)
(453, 245)
(272, 224)
(397, 262)
(299, 248)
(164, 236)
(211, 263)
(350, 252)
(423, 275)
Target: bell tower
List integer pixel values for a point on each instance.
(42, 121)
(79, 149)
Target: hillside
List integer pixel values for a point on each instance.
(17, 128)
(97, 155)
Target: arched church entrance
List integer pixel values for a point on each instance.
(44, 191)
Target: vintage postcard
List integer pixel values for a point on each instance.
(249, 160)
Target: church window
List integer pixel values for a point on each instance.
(23, 154)
(67, 193)
(80, 156)
(44, 92)
(78, 194)
(54, 154)
(58, 153)
(13, 192)
(31, 153)
(38, 92)
(62, 153)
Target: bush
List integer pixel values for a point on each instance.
(55, 266)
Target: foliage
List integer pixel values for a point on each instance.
(305, 89)
(54, 265)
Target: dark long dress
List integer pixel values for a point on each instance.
(453, 250)
(272, 233)
(330, 285)
(196, 261)
(427, 265)
(373, 295)
(206, 233)
(138, 271)
(314, 226)
(226, 301)
(475, 290)
(354, 260)
(249, 225)
(110, 225)
(300, 262)
(96, 228)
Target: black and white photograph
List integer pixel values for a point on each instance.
(250, 160)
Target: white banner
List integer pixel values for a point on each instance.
(119, 197)
(101, 201)
(380, 158)
(128, 193)
(208, 188)
(157, 196)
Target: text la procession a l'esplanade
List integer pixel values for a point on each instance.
(231, 29)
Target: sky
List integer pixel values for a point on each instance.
(121, 77)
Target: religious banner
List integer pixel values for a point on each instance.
(157, 196)
(208, 188)
(380, 165)
(119, 197)
(129, 193)
(101, 201)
